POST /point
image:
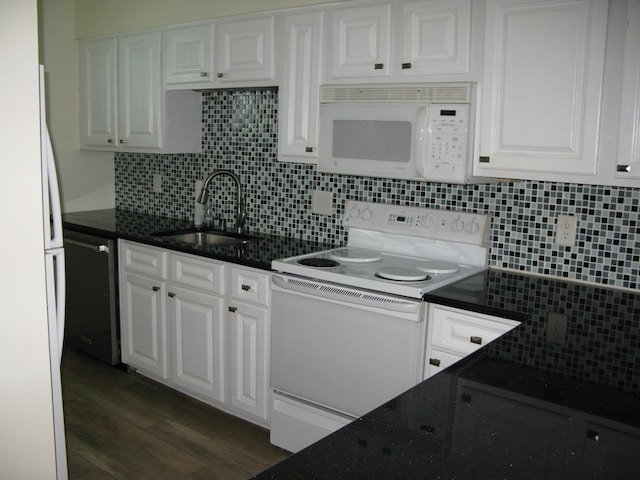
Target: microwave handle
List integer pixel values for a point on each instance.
(422, 137)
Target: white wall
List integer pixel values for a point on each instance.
(26, 415)
(86, 178)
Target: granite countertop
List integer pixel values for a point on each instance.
(523, 407)
(140, 227)
(520, 408)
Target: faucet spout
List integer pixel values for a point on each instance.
(204, 195)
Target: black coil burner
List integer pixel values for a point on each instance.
(318, 262)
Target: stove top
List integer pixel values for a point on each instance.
(405, 251)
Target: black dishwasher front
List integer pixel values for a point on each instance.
(92, 324)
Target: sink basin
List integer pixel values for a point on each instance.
(206, 239)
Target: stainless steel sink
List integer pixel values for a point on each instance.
(205, 239)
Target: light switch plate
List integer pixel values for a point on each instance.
(322, 202)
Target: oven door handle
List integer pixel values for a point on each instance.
(345, 294)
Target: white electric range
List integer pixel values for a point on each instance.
(348, 325)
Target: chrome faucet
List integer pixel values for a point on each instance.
(204, 195)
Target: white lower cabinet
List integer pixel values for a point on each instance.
(452, 334)
(198, 325)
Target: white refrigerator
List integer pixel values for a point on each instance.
(55, 273)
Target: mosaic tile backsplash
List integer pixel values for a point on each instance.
(240, 134)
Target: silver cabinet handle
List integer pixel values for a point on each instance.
(222, 75)
(246, 288)
(233, 309)
(406, 65)
(309, 149)
(485, 159)
(593, 435)
(475, 339)
(155, 289)
(624, 168)
(434, 361)
(102, 249)
(171, 294)
(123, 141)
(204, 74)
(378, 66)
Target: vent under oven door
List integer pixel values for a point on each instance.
(341, 348)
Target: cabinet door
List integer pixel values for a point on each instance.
(361, 42)
(436, 37)
(187, 54)
(543, 72)
(610, 452)
(244, 50)
(532, 440)
(249, 358)
(629, 138)
(143, 323)
(139, 91)
(98, 93)
(298, 100)
(197, 341)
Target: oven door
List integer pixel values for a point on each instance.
(343, 349)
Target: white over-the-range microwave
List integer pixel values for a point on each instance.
(408, 131)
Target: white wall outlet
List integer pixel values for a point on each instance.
(566, 228)
(556, 327)
(322, 202)
(157, 183)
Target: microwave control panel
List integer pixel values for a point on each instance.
(447, 142)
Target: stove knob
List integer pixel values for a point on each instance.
(426, 222)
(473, 227)
(366, 214)
(457, 225)
(354, 212)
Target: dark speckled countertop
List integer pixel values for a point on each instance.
(139, 227)
(523, 407)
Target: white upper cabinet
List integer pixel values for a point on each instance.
(437, 36)
(122, 104)
(628, 161)
(188, 56)
(543, 74)
(361, 42)
(245, 51)
(298, 100)
(401, 41)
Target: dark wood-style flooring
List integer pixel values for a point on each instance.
(123, 426)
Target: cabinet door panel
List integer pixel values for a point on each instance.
(139, 92)
(250, 360)
(436, 37)
(99, 80)
(143, 323)
(245, 50)
(197, 338)
(543, 65)
(361, 42)
(298, 116)
(187, 54)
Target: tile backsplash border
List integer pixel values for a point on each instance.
(240, 134)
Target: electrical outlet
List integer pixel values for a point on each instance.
(566, 228)
(556, 327)
(157, 183)
(322, 202)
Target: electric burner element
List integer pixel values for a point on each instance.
(355, 255)
(402, 274)
(318, 262)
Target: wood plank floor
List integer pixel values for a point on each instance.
(124, 426)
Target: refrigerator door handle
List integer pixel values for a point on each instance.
(54, 236)
(57, 295)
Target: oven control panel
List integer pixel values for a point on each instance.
(436, 224)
